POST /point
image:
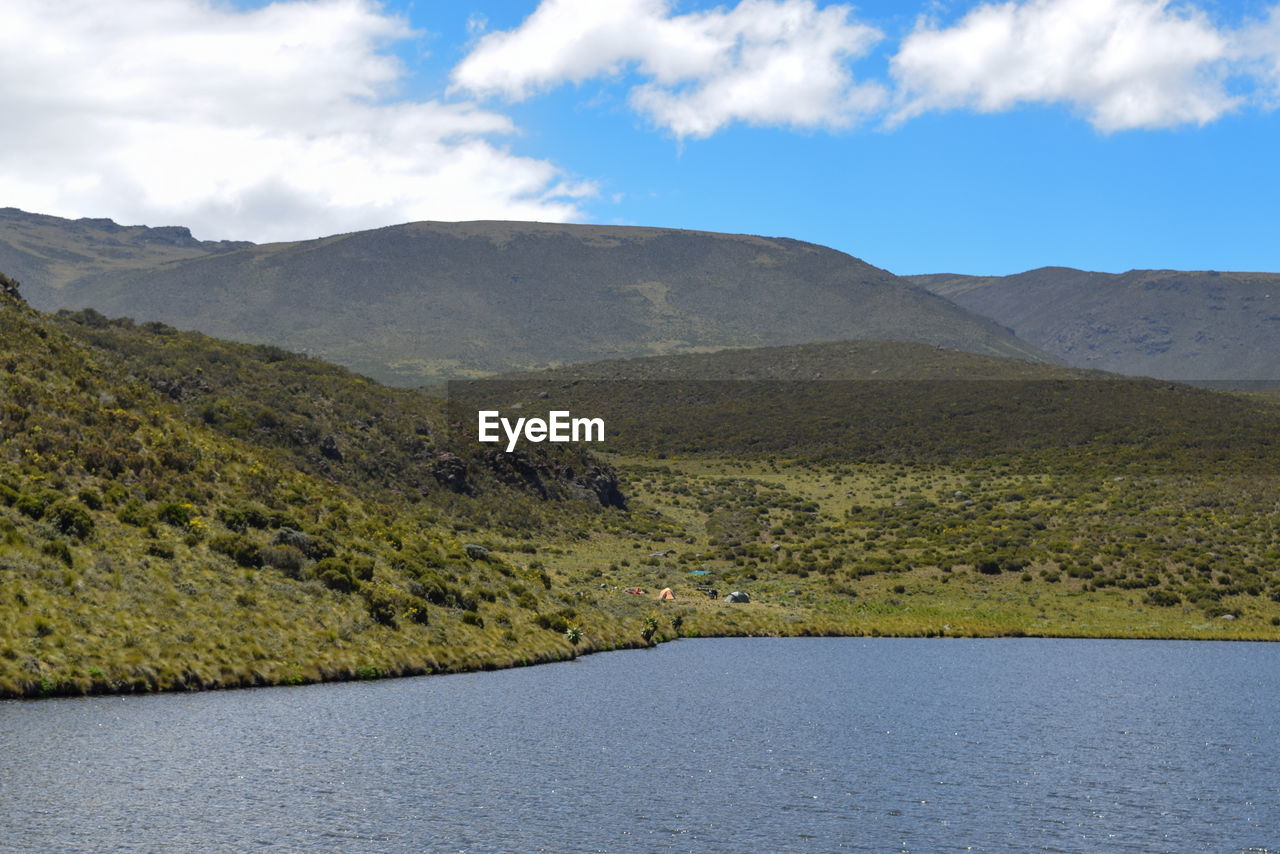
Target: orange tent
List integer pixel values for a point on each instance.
(666, 594)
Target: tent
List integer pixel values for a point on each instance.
(666, 594)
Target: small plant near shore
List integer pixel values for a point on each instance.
(650, 629)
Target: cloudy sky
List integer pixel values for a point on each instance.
(923, 136)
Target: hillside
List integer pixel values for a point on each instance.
(895, 488)
(48, 252)
(420, 302)
(180, 513)
(1159, 323)
(893, 401)
(177, 512)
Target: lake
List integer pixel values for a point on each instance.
(733, 745)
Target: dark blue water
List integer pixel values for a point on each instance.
(717, 745)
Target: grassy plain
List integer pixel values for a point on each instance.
(886, 549)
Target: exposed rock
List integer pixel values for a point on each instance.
(450, 470)
(329, 449)
(602, 482)
(9, 287)
(516, 469)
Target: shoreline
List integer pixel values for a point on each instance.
(251, 681)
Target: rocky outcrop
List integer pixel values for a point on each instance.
(9, 288)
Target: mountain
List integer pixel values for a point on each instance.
(1171, 324)
(179, 512)
(46, 253)
(413, 303)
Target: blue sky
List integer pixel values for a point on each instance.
(942, 136)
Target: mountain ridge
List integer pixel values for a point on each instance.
(1206, 325)
(418, 302)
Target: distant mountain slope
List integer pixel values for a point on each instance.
(826, 360)
(46, 252)
(1160, 323)
(891, 401)
(424, 301)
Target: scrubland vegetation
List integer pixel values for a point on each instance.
(178, 512)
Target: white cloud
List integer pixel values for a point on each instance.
(1258, 46)
(1123, 63)
(277, 123)
(763, 62)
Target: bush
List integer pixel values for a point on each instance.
(58, 549)
(385, 603)
(162, 550)
(239, 548)
(335, 573)
(175, 514)
(338, 581)
(362, 568)
(1164, 598)
(293, 537)
(30, 505)
(552, 622)
(240, 519)
(134, 512)
(70, 518)
(287, 559)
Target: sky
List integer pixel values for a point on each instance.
(920, 135)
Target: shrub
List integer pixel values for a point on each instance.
(134, 512)
(471, 618)
(552, 622)
(362, 568)
(239, 548)
(162, 550)
(241, 518)
(385, 603)
(293, 537)
(650, 629)
(58, 549)
(30, 505)
(335, 573)
(287, 559)
(1164, 598)
(175, 514)
(70, 518)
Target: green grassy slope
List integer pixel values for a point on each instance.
(424, 301)
(145, 546)
(873, 487)
(172, 516)
(894, 401)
